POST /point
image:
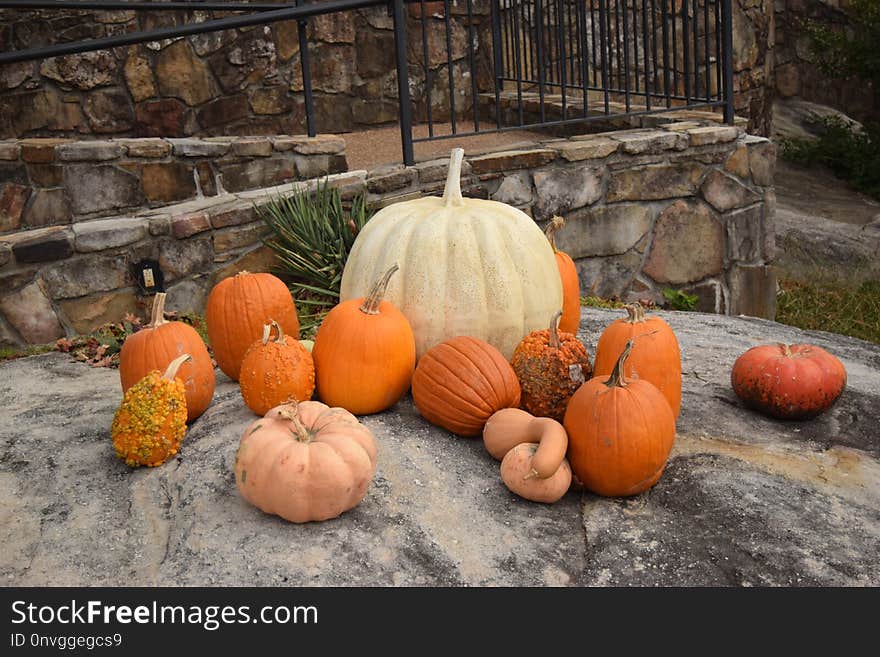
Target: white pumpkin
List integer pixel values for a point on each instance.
(467, 267)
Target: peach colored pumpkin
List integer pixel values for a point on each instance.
(518, 474)
(305, 462)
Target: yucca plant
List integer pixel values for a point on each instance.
(312, 235)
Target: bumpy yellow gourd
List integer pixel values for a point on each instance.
(151, 421)
(467, 267)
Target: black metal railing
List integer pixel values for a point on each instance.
(493, 65)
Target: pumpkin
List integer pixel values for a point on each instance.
(237, 309)
(151, 420)
(275, 371)
(550, 366)
(619, 432)
(305, 462)
(518, 474)
(160, 342)
(458, 384)
(656, 356)
(791, 382)
(571, 285)
(505, 429)
(467, 267)
(365, 353)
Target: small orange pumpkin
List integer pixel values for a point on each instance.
(305, 462)
(365, 353)
(656, 356)
(237, 309)
(151, 421)
(571, 285)
(160, 342)
(276, 371)
(550, 366)
(619, 432)
(458, 384)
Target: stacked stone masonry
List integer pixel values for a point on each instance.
(687, 205)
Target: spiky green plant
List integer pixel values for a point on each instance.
(312, 235)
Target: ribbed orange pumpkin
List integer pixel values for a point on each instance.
(619, 433)
(160, 342)
(365, 353)
(276, 371)
(458, 384)
(550, 366)
(571, 285)
(238, 308)
(791, 382)
(656, 356)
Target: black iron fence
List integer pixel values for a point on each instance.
(472, 66)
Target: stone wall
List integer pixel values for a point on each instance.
(687, 205)
(796, 72)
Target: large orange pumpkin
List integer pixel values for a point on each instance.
(159, 343)
(571, 285)
(305, 462)
(238, 308)
(276, 371)
(619, 432)
(656, 356)
(458, 384)
(790, 382)
(365, 353)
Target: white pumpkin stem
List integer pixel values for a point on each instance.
(452, 192)
(157, 315)
(267, 332)
(554, 330)
(371, 303)
(174, 365)
(555, 225)
(636, 313)
(617, 379)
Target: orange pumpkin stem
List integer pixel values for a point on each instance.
(556, 223)
(157, 315)
(617, 379)
(267, 332)
(174, 365)
(290, 412)
(371, 303)
(636, 313)
(554, 331)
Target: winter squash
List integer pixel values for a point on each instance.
(467, 267)
(518, 474)
(656, 356)
(274, 371)
(620, 432)
(237, 309)
(571, 285)
(305, 462)
(160, 342)
(151, 421)
(791, 382)
(458, 384)
(365, 353)
(505, 430)
(550, 366)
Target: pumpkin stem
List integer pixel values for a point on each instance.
(290, 412)
(157, 315)
(617, 379)
(786, 350)
(174, 365)
(267, 332)
(556, 223)
(531, 475)
(452, 192)
(554, 330)
(371, 303)
(636, 313)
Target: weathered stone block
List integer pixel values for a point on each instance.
(235, 214)
(40, 150)
(710, 296)
(12, 201)
(375, 51)
(239, 237)
(164, 182)
(725, 192)
(558, 191)
(88, 313)
(604, 229)
(139, 78)
(654, 182)
(769, 229)
(86, 275)
(654, 141)
(585, 148)
(160, 225)
(688, 244)
(91, 151)
(762, 160)
(49, 207)
(715, 134)
(185, 225)
(609, 276)
(249, 59)
(260, 259)
(270, 100)
(146, 147)
(9, 150)
(31, 314)
(108, 110)
(390, 178)
(96, 188)
(738, 162)
(200, 147)
(436, 170)
(5, 253)
(166, 117)
(179, 258)
(511, 160)
(188, 296)
(252, 147)
(257, 173)
(744, 237)
(44, 245)
(183, 75)
(81, 70)
(752, 291)
(104, 234)
(225, 109)
(320, 144)
(515, 189)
